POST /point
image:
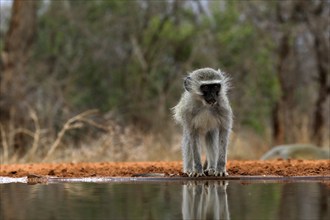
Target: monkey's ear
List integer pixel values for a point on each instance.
(221, 74)
(219, 71)
(187, 83)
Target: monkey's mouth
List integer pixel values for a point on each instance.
(211, 101)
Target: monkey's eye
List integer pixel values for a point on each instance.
(216, 87)
(204, 88)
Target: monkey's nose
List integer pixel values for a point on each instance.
(211, 101)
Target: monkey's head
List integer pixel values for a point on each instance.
(207, 84)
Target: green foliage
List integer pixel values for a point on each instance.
(130, 57)
(247, 55)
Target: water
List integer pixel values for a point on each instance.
(191, 200)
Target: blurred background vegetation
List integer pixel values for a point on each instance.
(95, 80)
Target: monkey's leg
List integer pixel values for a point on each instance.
(222, 154)
(211, 142)
(187, 154)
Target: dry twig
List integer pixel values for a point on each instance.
(36, 135)
(5, 147)
(72, 123)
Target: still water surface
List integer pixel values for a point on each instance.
(191, 200)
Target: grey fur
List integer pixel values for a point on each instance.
(204, 124)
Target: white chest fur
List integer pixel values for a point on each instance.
(205, 121)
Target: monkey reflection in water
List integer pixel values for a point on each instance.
(205, 200)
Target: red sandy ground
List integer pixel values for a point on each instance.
(127, 169)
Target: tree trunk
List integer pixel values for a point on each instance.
(318, 27)
(281, 108)
(323, 93)
(284, 119)
(316, 17)
(282, 112)
(18, 41)
(17, 45)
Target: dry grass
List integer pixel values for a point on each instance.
(118, 143)
(40, 140)
(246, 145)
(124, 144)
(114, 143)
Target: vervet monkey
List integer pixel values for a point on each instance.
(206, 117)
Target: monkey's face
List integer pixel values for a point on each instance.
(210, 92)
(206, 85)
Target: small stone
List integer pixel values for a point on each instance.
(51, 173)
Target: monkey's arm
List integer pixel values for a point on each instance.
(211, 144)
(222, 156)
(191, 153)
(187, 155)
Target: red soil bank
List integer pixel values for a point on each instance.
(127, 169)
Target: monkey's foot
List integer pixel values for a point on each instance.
(210, 172)
(221, 173)
(195, 174)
